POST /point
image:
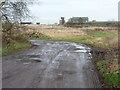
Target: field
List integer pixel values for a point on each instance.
(102, 38)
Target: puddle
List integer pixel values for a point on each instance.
(33, 56)
(26, 63)
(79, 48)
(81, 51)
(28, 59)
(37, 42)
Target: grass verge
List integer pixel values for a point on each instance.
(7, 49)
(111, 78)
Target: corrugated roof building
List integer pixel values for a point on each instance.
(77, 20)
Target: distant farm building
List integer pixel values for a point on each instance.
(62, 21)
(84, 22)
(38, 23)
(78, 20)
(26, 23)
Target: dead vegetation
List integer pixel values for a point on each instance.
(97, 36)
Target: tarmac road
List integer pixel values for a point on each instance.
(50, 65)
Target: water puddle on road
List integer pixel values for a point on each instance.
(28, 59)
(50, 50)
(79, 48)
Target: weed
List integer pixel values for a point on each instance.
(110, 78)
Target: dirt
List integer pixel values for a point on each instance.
(100, 54)
(50, 65)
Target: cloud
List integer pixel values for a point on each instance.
(52, 10)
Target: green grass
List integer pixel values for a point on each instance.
(102, 34)
(110, 78)
(7, 49)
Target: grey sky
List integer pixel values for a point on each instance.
(50, 11)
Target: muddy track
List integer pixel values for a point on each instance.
(50, 65)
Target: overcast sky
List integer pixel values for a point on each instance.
(50, 11)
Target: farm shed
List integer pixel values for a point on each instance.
(78, 20)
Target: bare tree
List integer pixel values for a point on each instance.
(12, 12)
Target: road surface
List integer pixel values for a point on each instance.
(50, 65)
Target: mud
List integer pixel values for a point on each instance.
(50, 65)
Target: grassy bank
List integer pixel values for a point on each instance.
(110, 72)
(17, 46)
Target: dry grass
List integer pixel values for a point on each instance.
(113, 42)
(97, 36)
(57, 31)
